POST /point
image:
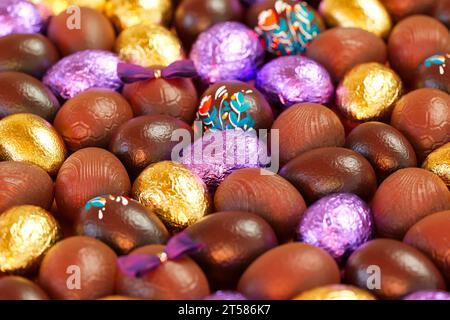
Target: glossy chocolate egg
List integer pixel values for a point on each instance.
(384, 146)
(400, 9)
(406, 197)
(174, 97)
(268, 195)
(179, 279)
(442, 11)
(88, 173)
(431, 236)
(18, 288)
(341, 49)
(78, 268)
(231, 240)
(121, 223)
(320, 172)
(145, 140)
(24, 183)
(391, 269)
(90, 118)
(412, 41)
(423, 116)
(434, 72)
(91, 31)
(305, 127)
(285, 271)
(29, 53)
(21, 93)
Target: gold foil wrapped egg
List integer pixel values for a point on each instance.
(149, 45)
(29, 138)
(128, 13)
(175, 194)
(26, 233)
(438, 162)
(335, 292)
(369, 15)
(368, 92)
(55, 7)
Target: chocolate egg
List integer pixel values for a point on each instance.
(21, 93)
(384, 146)
(442, 11)
(268, 195)
(391, 269)
(78, 268)
(433, 73)
(90, 118)
(179, 279)
(335, 292)
(24, 183)
(285, 271)
(305, 127)
(234, 105)
(341, 49)
(412, 41)
(174, 97)
(121, 223)
(55, 7)
(145, 140)
(431, 236)
(88, 173)
(404, 198)
(423, 116)
(438, 162)
(322, 171)
(18, 288)
(29, 53)
(91, 30)
(400, 9)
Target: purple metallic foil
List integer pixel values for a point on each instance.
(428, 295)
(338, 223)
(225, 295)
(227, 51)
(289, 80)
(82, 71)
(19, 16)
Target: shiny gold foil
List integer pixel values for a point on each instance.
(335, 292)
(368, 92)
(174, 193)
(57, 6)
(438, 162)
(369, 15)
(29, 138)
(26, 233)
(128, 13)
(149, 45)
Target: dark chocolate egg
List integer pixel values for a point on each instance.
(268, 195)
(121, 223)
(88, 173)
(391, 269)
(90, 118)
(287, 270)
(400, 9)
(434, 72)
(384, 146)
(81, 29)
(174, 97)
(340, 49)
(78, 268)
(179, 279)
(29, 53)
(323, 171)
(23, 183)
(19, 288)
(431, 235)
(423, 116)
(412, 41)
(404, 198)
(442, 11)
(230, 240)
(21, 93)
(145, 140)
(307, 126)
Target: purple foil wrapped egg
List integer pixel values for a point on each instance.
(19, 16)
(225, 295)
(82, 71)
(227, 51)
(338, 223)
(289, 80)
(428, 295)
